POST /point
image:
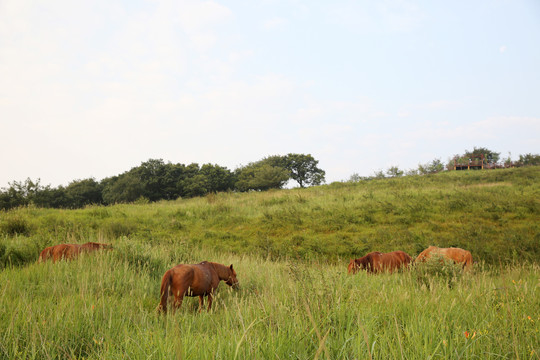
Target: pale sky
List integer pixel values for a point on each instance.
(94, 88)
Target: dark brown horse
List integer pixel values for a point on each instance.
(70, 251)
(457, 255)
(375, 262)
(194, 280)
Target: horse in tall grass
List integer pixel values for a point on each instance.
(194, 280)
(457, 255)
(376, 262)
(70, 251)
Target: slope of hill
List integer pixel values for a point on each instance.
(494, 214)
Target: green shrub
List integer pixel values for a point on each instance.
(437, 269)
(16, 225)
(18, 253)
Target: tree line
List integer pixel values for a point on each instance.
(491, 158)
(156, 180)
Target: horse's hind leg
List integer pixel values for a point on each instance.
(209, 301)
(178, 298)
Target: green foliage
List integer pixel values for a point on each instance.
(432, 167)
(493, 214)
(84, 192)
(54, 197)
(218, 178)
(261, 176)
(303, 169)
(19, 194)
(437, 269)
(490, 157)
(18, 251)
(122, 188)
(379, 174)
(529, 159)
(394, 171)
(15, 224)
(273, 172)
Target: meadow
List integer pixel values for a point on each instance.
(290, 249)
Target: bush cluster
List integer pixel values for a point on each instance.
(156, 180)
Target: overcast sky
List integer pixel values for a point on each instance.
(94, 88)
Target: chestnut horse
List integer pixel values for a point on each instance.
(70, 251)
(378, 262)
(194, 280)
(456, 255)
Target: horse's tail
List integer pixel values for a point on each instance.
(468, 261)
(165, 289)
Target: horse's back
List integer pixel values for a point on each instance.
(66, 251)
(402, 256)
(426, 254)
(59, 251)
(404, 259)
(199, 278)
(183, 271)
(458, 255)
(395, 260)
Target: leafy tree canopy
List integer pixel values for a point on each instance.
(432, 167)
(84, 192)
(490, 157)
(529, 159)
(261, 176)
(303, 169)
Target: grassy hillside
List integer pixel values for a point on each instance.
(494, 214)
(290, 251)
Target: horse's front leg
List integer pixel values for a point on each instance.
(201, 301)
(209, 301)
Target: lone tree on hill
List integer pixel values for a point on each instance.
(274, 171)
(303, 169)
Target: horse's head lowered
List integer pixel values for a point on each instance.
(353, 267)
(232, 280)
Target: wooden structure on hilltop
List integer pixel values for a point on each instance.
(475, 162)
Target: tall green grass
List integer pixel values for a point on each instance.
(494, 214)
(104, 306)
(290, 249)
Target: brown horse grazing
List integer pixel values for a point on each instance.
(457, 255)
(60, 251)
(70, 251)
(194, 280)
(375, 262)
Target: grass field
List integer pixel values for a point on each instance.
(290, 249)
(104, 306)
